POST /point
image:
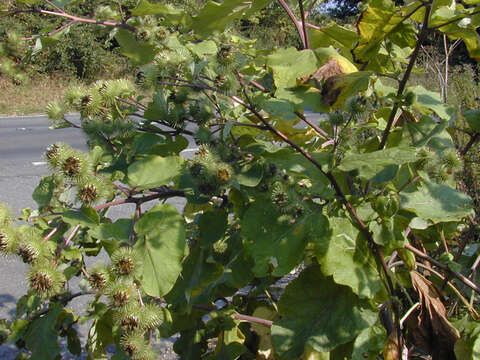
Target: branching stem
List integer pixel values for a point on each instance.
(444, 267)
(72, 17)
(403, 83)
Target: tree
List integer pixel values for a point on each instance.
(362, 203)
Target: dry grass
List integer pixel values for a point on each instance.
(33, 96)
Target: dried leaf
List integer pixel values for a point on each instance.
(430, 329)
(331, 68)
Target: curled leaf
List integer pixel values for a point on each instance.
(431, 330)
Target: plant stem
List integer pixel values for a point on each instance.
(55, 6)
(403, 83)
(469, 145)
(51, 233)
(474, 313)
(297, 23)
(248, 318)
(67, 240)
(444, 267)
(71, 123)
(304, 28)
(63, 301)
(163, 194)
(72, 17)
(53, 32)
(323, 134)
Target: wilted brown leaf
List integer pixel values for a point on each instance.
(430, 329)
(331, 68)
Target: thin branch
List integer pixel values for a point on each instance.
(138, 214)
(63, 301)
(323, 134)
(71, 236)
(238, 316)
(304, 27)
(444, 267)
(55, 6)
(71, 123)
(51, 233)
(138, 103)
(67, 240)
(316, 27)
(411, 181)
(72, 17)
(53, 32)
(469, 145)
(406, 76)
(253, 319)
(164, 194)
(111, 203)
(312, 5)
(254, 83)
(292, 17)
(474, 312)
(409, 312)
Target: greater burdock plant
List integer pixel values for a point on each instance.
(355, 210)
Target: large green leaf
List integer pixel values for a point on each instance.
(275, 243)
(370, 164)
(41, 336)
(345, 255)
(430, 132)
(112, 235)
(468, 347)
(340, 87)
(369, 343)
(153, 171)
(319, 314)
(250, 175)
(332, 34)
(158, 108)
(438, 203)
(161, 245)
(87, 216)
(168, 12)
(139, 52)
(212, 226)
(44, 191)
(197, 273)
(100, 334)
(143, 143)
(464, 28)
(297, 163)
(429, 100)
(214, 16)
(290, 64)
(380, 20)
(473, 119)
(203, 48)
(302, 97)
